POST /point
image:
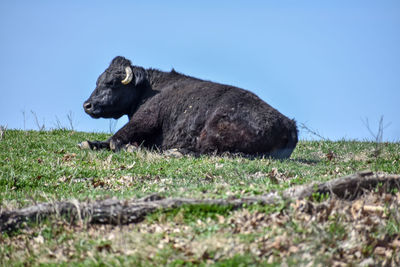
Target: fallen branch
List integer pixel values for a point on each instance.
(113, 211)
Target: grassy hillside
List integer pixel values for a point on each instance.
(47, 166)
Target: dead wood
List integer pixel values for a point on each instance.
(113, 211)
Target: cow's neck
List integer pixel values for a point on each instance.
(155, 81)
(159, 80)
(146, 92)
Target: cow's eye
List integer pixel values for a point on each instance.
(110, 83)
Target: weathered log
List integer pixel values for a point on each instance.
(347, 187)
(113, 211)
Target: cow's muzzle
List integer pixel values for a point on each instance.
(91, 110)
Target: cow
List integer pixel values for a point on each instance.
(170, 110)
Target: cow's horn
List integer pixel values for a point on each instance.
(129, 76)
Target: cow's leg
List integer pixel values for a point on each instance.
(95, 145)
(115, 143)
(143, 128)
(128, 134)
(225, 131)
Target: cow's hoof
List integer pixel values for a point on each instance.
(84, 145)
(173, 153)
(116, 145)
(113, 146)
(131, 148)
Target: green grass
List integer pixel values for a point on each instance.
(43, 166)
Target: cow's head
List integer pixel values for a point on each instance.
(117, 90)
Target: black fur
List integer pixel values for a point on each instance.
(171, 110)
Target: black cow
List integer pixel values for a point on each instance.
(170, 110)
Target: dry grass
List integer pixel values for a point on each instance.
(334, 232)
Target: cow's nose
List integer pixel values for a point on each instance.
(87, 106)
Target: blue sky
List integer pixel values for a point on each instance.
(328, 64)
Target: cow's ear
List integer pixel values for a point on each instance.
(140, 75)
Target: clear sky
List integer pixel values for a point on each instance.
(329, 64)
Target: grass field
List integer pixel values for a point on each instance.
(45, 166)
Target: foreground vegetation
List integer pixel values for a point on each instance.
(46, 166)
